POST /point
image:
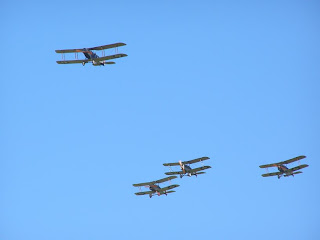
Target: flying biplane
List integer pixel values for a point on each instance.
(92, 56)
(186, 169)
(155, 188)
(284, 170)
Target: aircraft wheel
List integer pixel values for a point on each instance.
(83, 63)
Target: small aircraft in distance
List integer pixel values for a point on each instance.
(155, 188)
(284, 170)
(186, 169)
(92, 56)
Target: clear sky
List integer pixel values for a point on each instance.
(237, 81)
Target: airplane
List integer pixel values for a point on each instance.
(155, 188)
(284, 170)
(92, 56)
(186, 169)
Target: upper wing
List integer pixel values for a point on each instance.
(187, 162)
(153, 182)
(165, 179)
(196, 160)
(94, 48)
(174, 173)
(169, 187)
(293, 160)
(119, 55)
(268, 165)
(271, 174)
(283, 162)
(171, 164)
(199, 169)
(74, 61)
(69, 50)
(299, 167)
(143, 193)
(143, 184)
(108, 46)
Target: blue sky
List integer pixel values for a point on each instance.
(237, 82)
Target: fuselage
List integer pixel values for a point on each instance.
(155, 188)
(91, 55)
(185, 168)
(284, 170)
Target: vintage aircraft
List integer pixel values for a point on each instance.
(155, 188)
(284, 170)
(92, 56)
(186, 169)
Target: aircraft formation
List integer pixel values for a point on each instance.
(185, 169)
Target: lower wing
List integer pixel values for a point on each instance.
(74, 61)
(292, 174)
(169, 187)
(194, 170)
(197, 173)
(271, 174)
(174, 173)
(170, 192)
(144, 193)
(163, 192)
(299, 167)
(118, 55)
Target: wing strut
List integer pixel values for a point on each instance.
(202, 164)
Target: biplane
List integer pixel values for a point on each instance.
(155, 188)
(283, 169)
(91, 56)
(186, 169)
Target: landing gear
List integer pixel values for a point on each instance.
(83, 63)
(150, 195)
(278, 176)
(181, 175)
